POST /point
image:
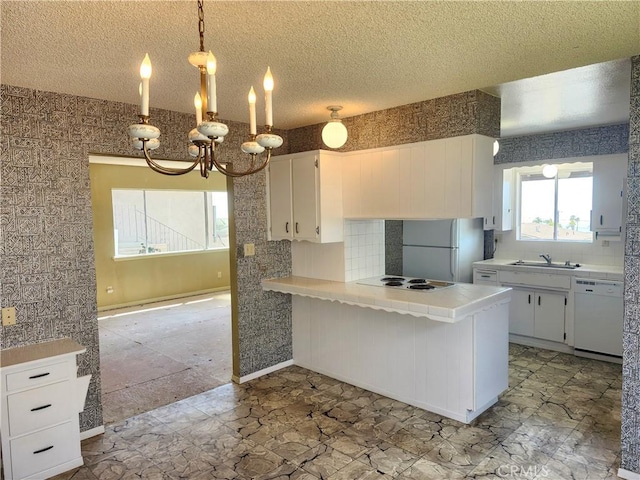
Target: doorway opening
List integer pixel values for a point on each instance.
(164, 311)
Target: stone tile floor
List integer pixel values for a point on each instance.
(559, 419)
(179, 348)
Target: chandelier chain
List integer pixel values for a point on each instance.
(201, 24)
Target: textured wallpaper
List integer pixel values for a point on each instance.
(606, 140)
(452, 116)
(631, 336)
(393, 247)
(46, 237)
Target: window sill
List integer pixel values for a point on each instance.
(167, 254)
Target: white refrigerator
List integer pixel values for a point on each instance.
(442, 249)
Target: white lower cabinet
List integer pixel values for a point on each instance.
(41, 399)
(539, 314)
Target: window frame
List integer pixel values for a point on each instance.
(531, 168)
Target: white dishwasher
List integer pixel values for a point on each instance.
(599, 316)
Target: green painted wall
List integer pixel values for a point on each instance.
(141, 279)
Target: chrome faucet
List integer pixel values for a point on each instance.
(547, 258)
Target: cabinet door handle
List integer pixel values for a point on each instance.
(485, 276)
(601, 219)
(38, 376)
(494, 219)
(539, 299)
(529, 299)
(43, 449)
(286, 227)
(297, 228)
(41, 408)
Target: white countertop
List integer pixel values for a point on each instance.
(38, 351)
(604, 272)
(449, 305)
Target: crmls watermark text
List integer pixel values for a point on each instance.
(528, 471)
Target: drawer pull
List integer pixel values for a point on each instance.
(38, 376)
(43, 449)
(41, 408)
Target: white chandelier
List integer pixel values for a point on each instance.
(209, 132)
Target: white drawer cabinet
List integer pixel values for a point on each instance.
(40, 405)
(36, 453)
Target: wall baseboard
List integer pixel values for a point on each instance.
(629, 475)
(162, 299)
(260, 373)
(92, 432)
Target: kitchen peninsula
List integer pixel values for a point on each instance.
(443, 350)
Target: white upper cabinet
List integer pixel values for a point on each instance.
(280, 200)
(445, 178)
(608, 184)
(305, 197)
(503, 200)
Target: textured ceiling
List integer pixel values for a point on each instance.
(365, 56)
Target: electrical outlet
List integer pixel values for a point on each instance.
(219, 274)
(249, 249)
(8, 316)
(109, 289)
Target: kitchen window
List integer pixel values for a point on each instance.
(168, 221)
(555, 205)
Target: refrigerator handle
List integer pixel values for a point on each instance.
(454, 263)
(454, 233)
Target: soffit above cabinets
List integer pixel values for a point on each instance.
(577, 98)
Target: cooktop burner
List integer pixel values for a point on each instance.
(392, 279)
(410, 283)
(421, 286)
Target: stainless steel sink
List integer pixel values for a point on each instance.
(521, 263)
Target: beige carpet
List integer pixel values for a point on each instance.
(156, 354)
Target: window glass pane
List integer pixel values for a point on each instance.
(128, 222)
(156, 221)
(175, 221)
(574, 208)
(536, 208)
(218, 234)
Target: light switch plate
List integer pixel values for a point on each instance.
(249, 249)
(8, 316)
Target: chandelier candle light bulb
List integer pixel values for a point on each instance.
(197, 102)
(268, 89)
(145, 74)
(252, 110)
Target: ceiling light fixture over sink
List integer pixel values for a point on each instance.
(334, 133)
(208, 132)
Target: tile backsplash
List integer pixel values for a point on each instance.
(363, 249)
(588, 253)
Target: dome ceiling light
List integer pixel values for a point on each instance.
(334, 133)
